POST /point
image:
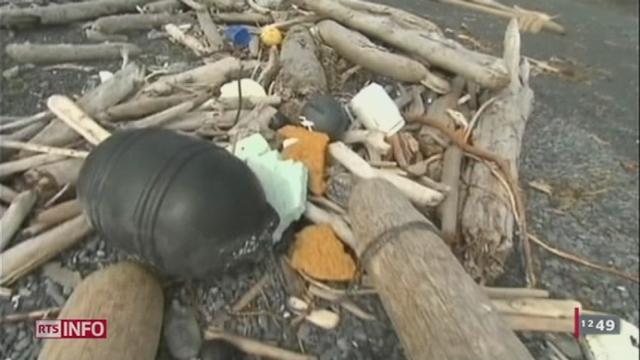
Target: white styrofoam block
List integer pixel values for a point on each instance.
(284, 181)
(373, 107)
(250, 88)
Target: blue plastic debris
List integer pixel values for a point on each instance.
(239, 35)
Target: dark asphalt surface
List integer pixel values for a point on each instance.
(582, 139)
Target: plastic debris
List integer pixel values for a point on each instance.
(271, 36)
(311, 149)
(202, 211)
(250, 88)
(326, 115)
(623, 346)
(182, 332)
(373, 107)
(284, 181)
(323, 318)
(238, 35)
(319, 253)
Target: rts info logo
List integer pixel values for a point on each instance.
(71, 329)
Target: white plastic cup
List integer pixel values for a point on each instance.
(373, 107)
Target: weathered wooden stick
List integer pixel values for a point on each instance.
(358, 49)
(487, 219)
(540, 323)
(66, 13)
(31, 315)
(435, 49)
(244, 17)
(162, 6)
(29, 254)
(7, 194)
(419, 194)
(210, 30)
(97, 36)
(162, 117)
(105, 95)
(27, 132)
(14, 216)
(191, 42)
(372, 138)
(55, 174)
(271, 69)
(41, 116)
(53, 216)
(403, 18)
(536, 19)
(438, 311)
(135, 22)
(16, 166)
(536, 307)
(77, 119)
(210, 75)
(255, 347)
(508, 293)
(138, 108)
(11, 144)
(62, 53)
(339, 226)
(130, 299)
(203, 119)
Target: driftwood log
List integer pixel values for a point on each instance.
(426, 44)
(437, 309)
(358, 49)
(301, 73)
(63, 53)
(130, 298)
(161, 6)
(30, 254)
(15, 215)
(208, 76)
(136, 22)
(66, 13)
(105, 95)
(53, 216)
(138, 108)
(487, 221)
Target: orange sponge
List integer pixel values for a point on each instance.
(320, 254)
(310, 149)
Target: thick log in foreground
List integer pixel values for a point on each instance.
(437, 309)
(130, 298)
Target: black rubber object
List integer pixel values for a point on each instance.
(183, 204)
(327, 115)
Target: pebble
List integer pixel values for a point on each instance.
(343, 344)
(182, 332)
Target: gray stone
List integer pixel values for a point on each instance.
(182, 332)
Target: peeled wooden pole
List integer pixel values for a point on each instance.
(130, 298)
(438, 311)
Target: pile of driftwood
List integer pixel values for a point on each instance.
(455, 159)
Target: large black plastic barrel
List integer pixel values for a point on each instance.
(183, 204)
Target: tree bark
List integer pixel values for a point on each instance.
(438, 311)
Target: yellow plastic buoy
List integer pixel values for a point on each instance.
(271, 36)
